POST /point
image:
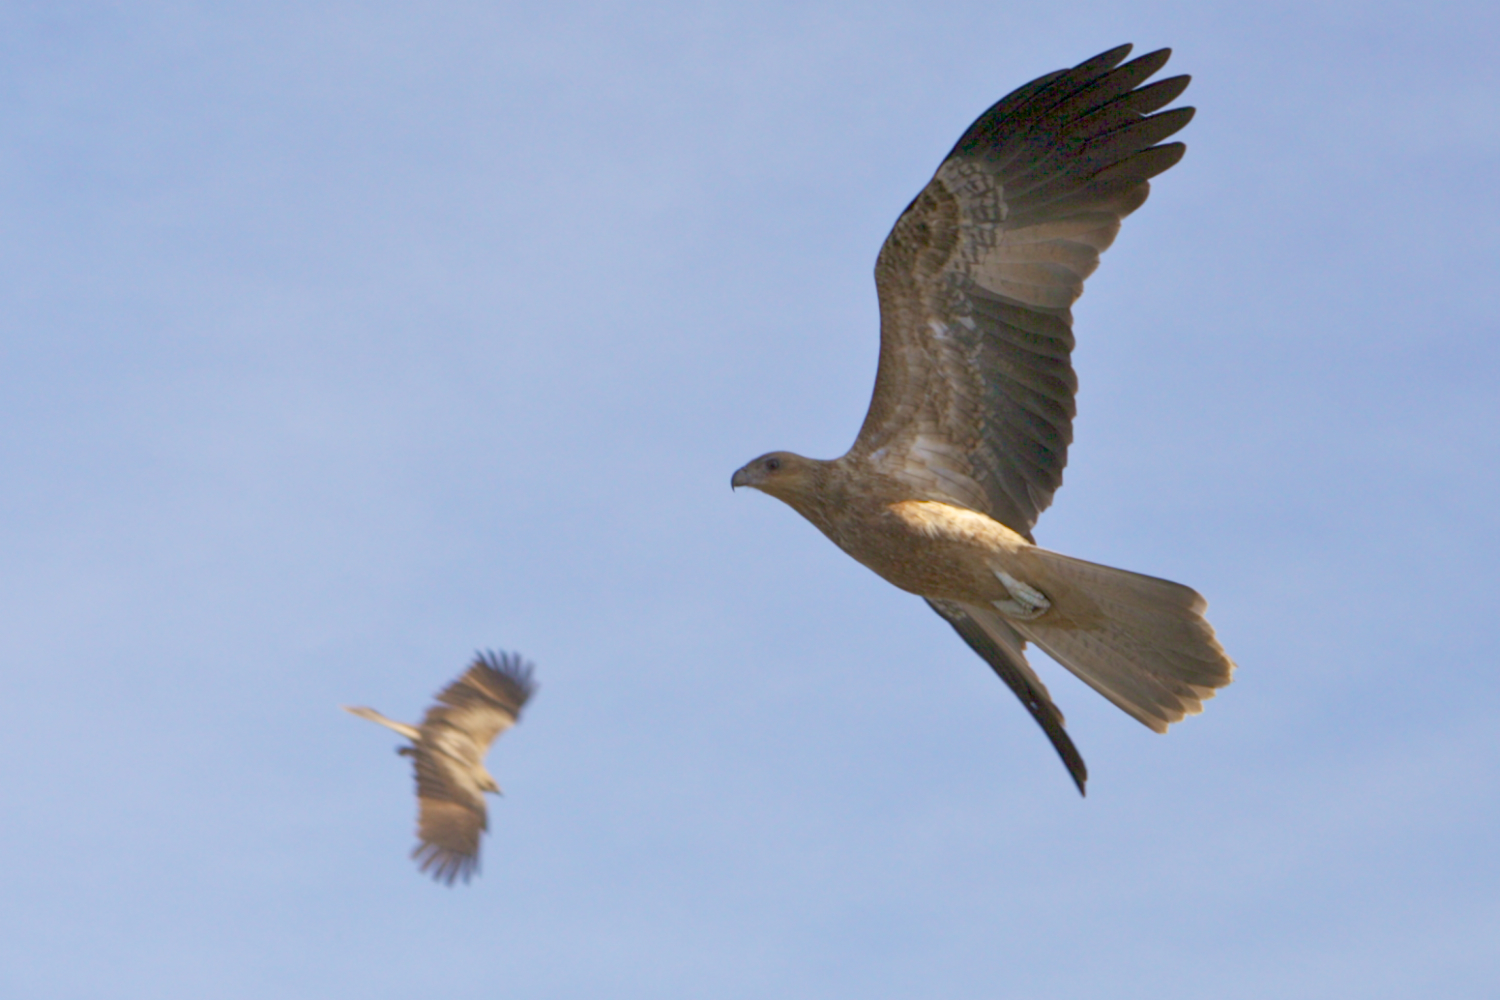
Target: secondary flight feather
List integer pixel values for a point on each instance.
(969, 426)
(448, 751)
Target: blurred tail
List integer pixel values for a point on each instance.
(410, 732)
(1140, 641)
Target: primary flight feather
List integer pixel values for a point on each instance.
(448, 751)
(968, 430)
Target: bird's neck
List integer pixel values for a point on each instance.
(825, 499)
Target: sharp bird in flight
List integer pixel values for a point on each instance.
(448, 749)
(967, 434)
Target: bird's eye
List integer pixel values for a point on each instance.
(772, 464)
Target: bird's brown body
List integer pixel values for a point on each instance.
(929, 548)
(926, 547)
(938, 550)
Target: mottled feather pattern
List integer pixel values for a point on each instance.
(979, 274)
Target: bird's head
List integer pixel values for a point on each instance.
(783, 475)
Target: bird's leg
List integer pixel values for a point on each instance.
(1026, 602)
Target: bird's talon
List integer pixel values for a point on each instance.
(1026, 602)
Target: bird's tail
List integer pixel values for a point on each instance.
(410, 732)
(1140, 641)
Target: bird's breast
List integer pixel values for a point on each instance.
(934, 549)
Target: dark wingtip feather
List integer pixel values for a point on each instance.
(511, 665)
(1110, 58)
(1041, 709)
(1161, 93)
(1146, 164)
(443, 865)
(1043, 89)
(1153, 60)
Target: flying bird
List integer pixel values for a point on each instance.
(448, 751)
(968, 430)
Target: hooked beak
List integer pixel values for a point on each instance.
(739, 479)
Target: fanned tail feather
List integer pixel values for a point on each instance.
(1140, 641)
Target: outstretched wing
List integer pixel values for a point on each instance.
(973, 401)
(485, 701)
(450, 815)
(991, 636)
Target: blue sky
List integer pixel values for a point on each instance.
(341, 339)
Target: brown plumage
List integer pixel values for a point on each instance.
(968, 430)
(448, 751)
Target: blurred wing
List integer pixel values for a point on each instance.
(991, 636)
(973, 401)
(450, 816)
(486, 700)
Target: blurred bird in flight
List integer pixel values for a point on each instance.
(448, 751)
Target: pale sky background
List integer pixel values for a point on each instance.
(343, 338)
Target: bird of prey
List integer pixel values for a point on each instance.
(448, 751)
(968, 429)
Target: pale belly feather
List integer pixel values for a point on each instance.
(937, 550)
